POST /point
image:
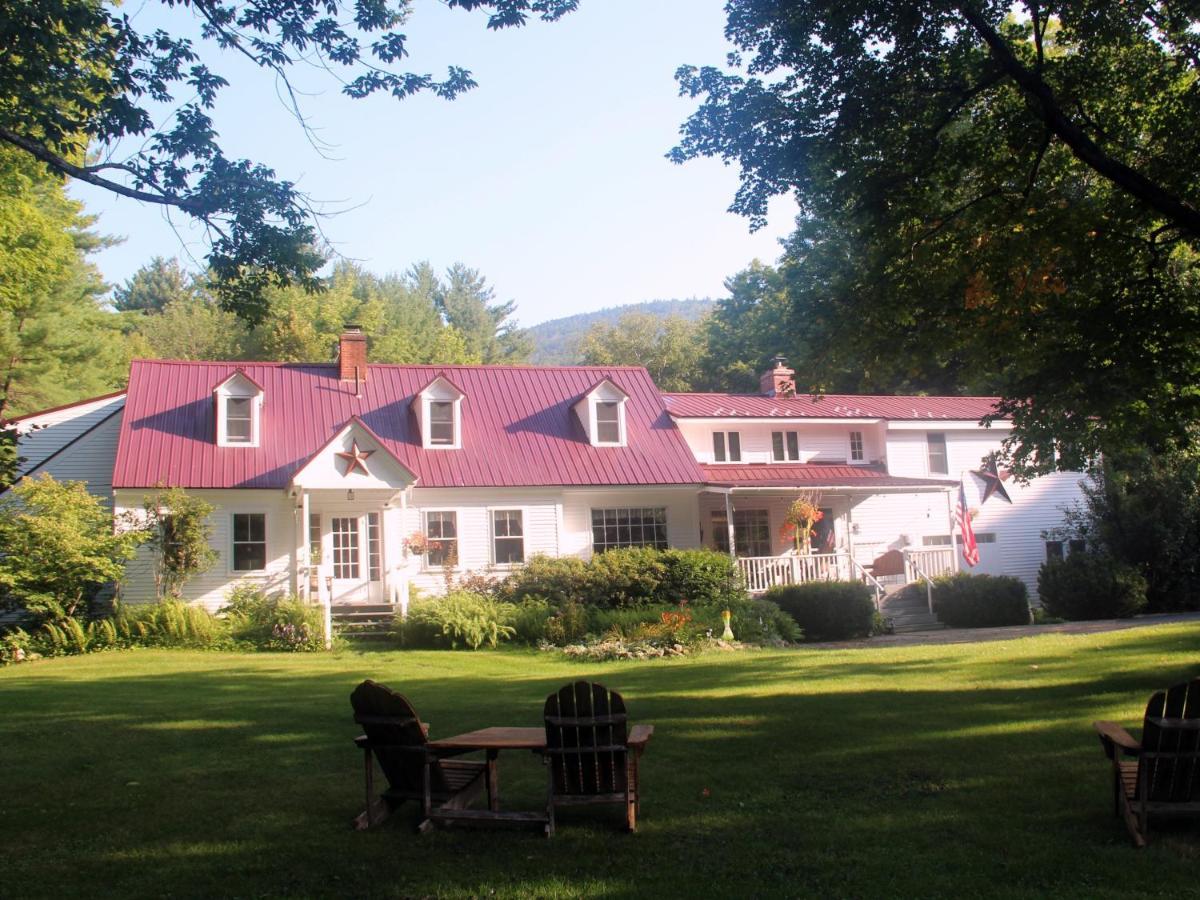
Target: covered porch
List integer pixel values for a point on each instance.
(745, 516)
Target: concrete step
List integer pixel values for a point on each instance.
(909, 629)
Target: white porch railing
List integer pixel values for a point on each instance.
(931, 562)
(765, 572)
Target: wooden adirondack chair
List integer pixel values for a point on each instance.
(591, 753)
(1163, 776)
(395, 736)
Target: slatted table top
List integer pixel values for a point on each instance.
(504, 737)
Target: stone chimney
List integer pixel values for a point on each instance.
(779, 381)
(352, 354)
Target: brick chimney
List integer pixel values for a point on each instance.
(779, 381)
(352, 354)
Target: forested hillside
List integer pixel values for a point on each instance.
(558, 342)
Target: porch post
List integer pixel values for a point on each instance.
(729, 523)
(305, 550)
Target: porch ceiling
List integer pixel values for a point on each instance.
(813, 475)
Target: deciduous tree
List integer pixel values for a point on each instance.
(1011, 198)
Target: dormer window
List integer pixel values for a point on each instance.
(608, 423)
(239, 420)
(238, 404)
(441, 423)
(438, 407)
(601, 412)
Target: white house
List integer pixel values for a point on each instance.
(353, 481)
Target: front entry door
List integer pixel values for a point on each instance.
(354, 542)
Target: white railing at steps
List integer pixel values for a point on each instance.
(871, 581)
(765, 572)
(932, 562)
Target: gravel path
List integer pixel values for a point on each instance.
(1007, 632)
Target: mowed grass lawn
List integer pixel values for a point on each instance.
(900, 772)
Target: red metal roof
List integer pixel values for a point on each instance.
(517, 423)
(829, 406)
(810, 475)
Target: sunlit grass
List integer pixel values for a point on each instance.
(900, 771)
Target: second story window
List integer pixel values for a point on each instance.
(239, 420)
(856, 447)
(938, 463)
(441, 422)
(608, 423)
(727, 446)
(785, 446)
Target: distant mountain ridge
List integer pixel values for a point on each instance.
(556, 342)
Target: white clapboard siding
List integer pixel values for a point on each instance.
(893, 521)
(473, 513)
(43, 434)
(210, 589)
(89, 458)
(576, 532)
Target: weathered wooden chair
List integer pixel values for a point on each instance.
(395, 737)
(591, 753)
(1163, 778)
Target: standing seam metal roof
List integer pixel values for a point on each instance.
(518, 428)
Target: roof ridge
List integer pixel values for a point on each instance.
(522, 367)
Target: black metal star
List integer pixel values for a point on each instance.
(992, 485)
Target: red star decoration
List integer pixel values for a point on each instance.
(993, 486)
(355, 458)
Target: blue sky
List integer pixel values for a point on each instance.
(549, 178)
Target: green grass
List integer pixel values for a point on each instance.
(904, 771)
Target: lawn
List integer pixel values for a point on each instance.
(904, 771)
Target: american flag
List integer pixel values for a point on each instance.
(970, 549)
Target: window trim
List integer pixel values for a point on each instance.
(426, 565)
(455, 442)
(727, 446)
(223, 397)
(492, 510)
(233, 542)
(861, 459)
(594, 413)
(788, 440)
(929, 443)
(355, 561)
(722, 528)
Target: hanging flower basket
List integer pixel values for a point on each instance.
(799, 524)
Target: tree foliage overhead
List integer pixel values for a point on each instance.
(669, 347)
(80, 76)
(1010, 198)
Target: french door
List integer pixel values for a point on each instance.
(355, 548)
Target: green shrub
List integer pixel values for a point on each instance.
(701, 577)
(460, 617)
(557, 580)
(16, 645)
(627, 577)
(173, 623)
(754, 621)
(569, 623)
(273, 621)
(827, 610)
(1091, 586)
(981, 601)
(529, 620)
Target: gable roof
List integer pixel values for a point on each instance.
(518, 432)
(355, 424)
(829, 406)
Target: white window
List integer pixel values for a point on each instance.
(249, 542)
(727, 446)
(785, 446)
(608, 422)
(1054, 550)
(441, 423)
(508, 537)
(856, 447)
(239, 420)
(629, 527)
(314, 539)
(936, 442)
(441, 528)
(345, 547)
(943, 540)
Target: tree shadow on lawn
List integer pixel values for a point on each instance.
(763, 777)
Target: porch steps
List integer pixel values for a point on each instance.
(907, 607)
(363, 620)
